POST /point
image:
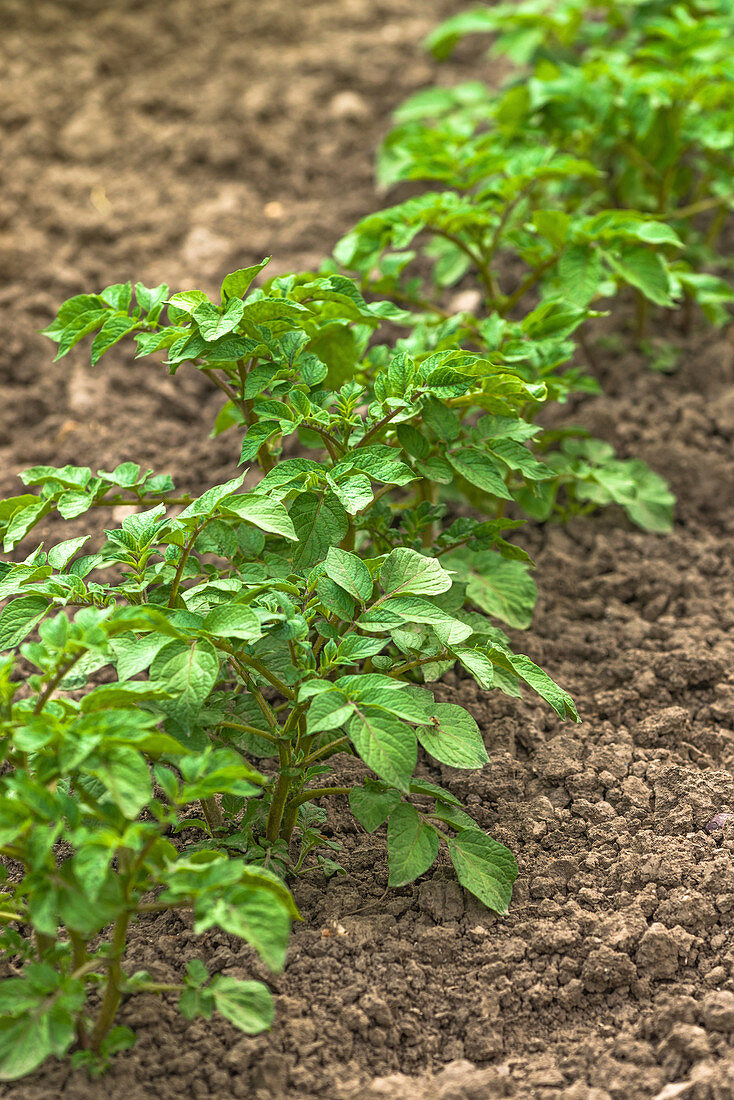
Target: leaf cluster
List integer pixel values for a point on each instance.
(92, 792)
(176, 696)
(643, 91)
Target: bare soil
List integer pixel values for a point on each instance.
(176, 142)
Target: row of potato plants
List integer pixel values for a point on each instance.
(200, 666)
(602, 162)
(173, 697)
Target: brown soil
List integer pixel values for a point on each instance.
(153, 141)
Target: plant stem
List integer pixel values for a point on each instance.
(347, 542)
(377, 428)
(54, 682)
(210, 373)
(428, 492)
(188, 547)
(479, 262)
(242, 662)
(642, 309)
(290, 816)
(264, 458)
(317, 792)
(277, 806)
(80, 960)
(416, 664)
(323, 751)
(112, 995)
(527, 284)
(43, 944)
(701, 207)
(332, 444)
(250, 729)
(586, 349)
(276, 682)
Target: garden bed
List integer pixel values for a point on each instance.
(183, 155)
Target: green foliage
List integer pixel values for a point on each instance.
(641, 89)
(92, 787)
(195, 673)
(299, 359)
(270, 627)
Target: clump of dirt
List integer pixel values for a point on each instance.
(155, 144)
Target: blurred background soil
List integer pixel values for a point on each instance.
(174, 142)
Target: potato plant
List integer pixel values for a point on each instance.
(92, 792)
(299, 359)
(642, 91)
(175, 698)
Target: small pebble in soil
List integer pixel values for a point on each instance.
(718, 822)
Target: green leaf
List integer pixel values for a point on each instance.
(484, 867)
(354, 648)
(335, 599)
(73, 504)
(581, 272)
(28, 1040)
(355, 493)
(189, 671)
(414, 704)
(208, 502)
(247, 1005)
(132, 654)
(454, 738)
(11, 505)
(412, 846)
(499, 587)
(233, 621)
(124, 694)
(553, 225)
(119, 296)
(442, 41)
(112, 331)
(518, 457)
(151, 298)
(19, 618)
(266, 311)
(22, 520)
(441, 418)
(320, 522)
(262, 512)
(371, 806)
(644, 269)
(406, 572)
(537, 679)
(350, 572)
(188, 300)
(476, 663)
(413, 441)
(257, 435)
(126, 778)
(479, 469)
(655, 232)
(379, 463)
(214, 323)
(238, 283)
(80, 327)
(254, 915)
(386, 744)
(328, 711)
(414, 609)
(60, 555)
